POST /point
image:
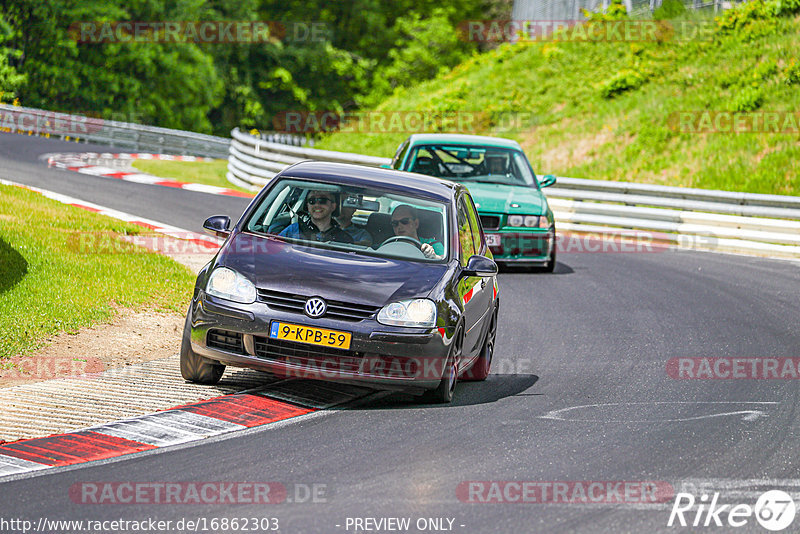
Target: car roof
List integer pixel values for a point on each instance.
(390, 179)
(462, 139)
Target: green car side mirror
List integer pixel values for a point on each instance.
(386, 166)
(547, 180)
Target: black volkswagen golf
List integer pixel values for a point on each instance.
(351, 274)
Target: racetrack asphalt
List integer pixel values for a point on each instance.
(580, 392)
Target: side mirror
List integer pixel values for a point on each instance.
(479, 266)
(547, 180)
(386, 166)
(218, 225)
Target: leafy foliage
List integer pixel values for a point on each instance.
(791, 74)
(620, 82)
(616, 11)
(364, 47)
(669, 9)
(748, 99)
(10, 79)
(426, 47)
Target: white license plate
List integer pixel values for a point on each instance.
(493, 240)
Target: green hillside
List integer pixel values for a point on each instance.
(608, 110)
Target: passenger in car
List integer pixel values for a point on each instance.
(345, 220)
(405, 222)
(496, 163)
(318, 224)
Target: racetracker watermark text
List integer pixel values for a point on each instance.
(46, 368)
(211, 492)
(734, 368)
(564, 492)
(709, 121)
(198, 32)
(408, 122)
(577, 30)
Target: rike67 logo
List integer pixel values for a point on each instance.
(774, 510)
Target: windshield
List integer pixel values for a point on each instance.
(462, 163)
(367, 221)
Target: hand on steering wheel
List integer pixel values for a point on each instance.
(403, 239)
(426, 248)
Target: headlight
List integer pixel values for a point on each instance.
(529, 221)
(414, 312)
(228, 284)
(539, 221)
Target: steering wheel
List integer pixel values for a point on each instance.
(403, 239)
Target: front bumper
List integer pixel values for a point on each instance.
(518, 247)
(390, 357)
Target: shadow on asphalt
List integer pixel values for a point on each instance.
(493, 389)
(561, 268)
(13, 267)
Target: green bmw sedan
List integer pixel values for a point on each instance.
(519, 224)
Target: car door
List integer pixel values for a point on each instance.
(483, 292)
(469, 287)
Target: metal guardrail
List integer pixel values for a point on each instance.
(253, 162)
(767, 225)
(128, 136)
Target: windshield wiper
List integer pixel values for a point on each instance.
(497, 182)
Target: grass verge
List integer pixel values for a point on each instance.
(606, 110)
(63, 268)
(198, 172)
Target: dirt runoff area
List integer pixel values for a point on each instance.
(130, 337)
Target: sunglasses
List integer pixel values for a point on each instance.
(404, 221)
(318, 200)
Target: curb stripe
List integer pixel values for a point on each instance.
(182, 424)
(74, 448)
(77, 162)
(247, 410)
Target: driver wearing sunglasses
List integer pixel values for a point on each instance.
(405, 222)
(318, 224)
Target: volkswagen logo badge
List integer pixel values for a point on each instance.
(316, 307)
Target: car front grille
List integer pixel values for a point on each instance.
(311, 356)
(490, 222)
(328, 360)
(289, 302)
(225, 340)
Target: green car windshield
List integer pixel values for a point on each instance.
(462, 163)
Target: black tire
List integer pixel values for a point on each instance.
(551, 263)
(480, 369)
(443, 394)
(550, 266)
(195, 368)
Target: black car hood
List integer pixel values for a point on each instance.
(280, 266)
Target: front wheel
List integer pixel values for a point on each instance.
(443, 394)
(194, 367)
(550, 266)
(551, 263)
